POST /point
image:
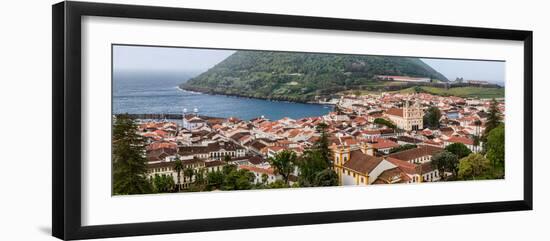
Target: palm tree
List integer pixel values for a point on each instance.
(284, 163)
(227, 158)
(265, 177)
(199, 176)
(189, 173)
(178, 167)
(477, 124)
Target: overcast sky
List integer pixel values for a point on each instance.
(139, 58)
(468, 69)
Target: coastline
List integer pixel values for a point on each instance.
(485, 92)
(279, 99)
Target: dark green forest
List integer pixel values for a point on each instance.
(301, 76)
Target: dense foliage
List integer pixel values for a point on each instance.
(162, 183)
(178, 167)
(474, 167)
(310, 164)
(494, 118)
(384, 122)
(325, 178)
(495, 146)
(445, 162)
(459, 149)
(431, 118)
(128, 161)
(321, 146)
(229, 178)
(301, 76)
(284, 164)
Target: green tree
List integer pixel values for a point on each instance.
(327, 177)
(495, 146)
(128, 162)
(284, 163)
(473, 167)
(188, 172)
(163, 183)
(477, 141)
(228, 168)
(459, 149)
(265, 178)
(494, 118)
(445, 161)
(278, 184)
(199, 177)
(477, 124)
(214, 180)
(178, 167)
(237, 179)
(322, 144)
(431, 118)
(418, 89)
(384, 122)
(310, 163)
(226, 158)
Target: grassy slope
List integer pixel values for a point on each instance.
(459, 91)
(467, 92)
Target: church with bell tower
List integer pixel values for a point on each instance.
(409, 118)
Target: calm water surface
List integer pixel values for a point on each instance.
(144, 93)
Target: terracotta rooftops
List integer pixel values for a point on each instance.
(362, 163)
(395, 112)
(268, 171)
(384, 144)
(393, 175)
(411, 154)
(463, 140)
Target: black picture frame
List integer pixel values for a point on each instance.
(66, 128)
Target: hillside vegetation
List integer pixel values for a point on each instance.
(465, 92)
(478, 92)
(302, 76)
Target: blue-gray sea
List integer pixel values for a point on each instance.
(158, 93)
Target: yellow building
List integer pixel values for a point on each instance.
(358, 166)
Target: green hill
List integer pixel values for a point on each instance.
(301, 76)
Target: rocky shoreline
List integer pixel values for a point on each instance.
(213, 92)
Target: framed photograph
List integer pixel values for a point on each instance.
(171, 120)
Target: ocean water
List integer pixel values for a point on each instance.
(157, 93)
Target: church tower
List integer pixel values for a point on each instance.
(341, 155)
(406, 113)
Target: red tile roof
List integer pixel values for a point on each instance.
(405, 166)
(387, 176)
(395, 112)
(268, 171)
(362, 163)
(459, 139)
(158, 145)
(411, 154)
(383, 144)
